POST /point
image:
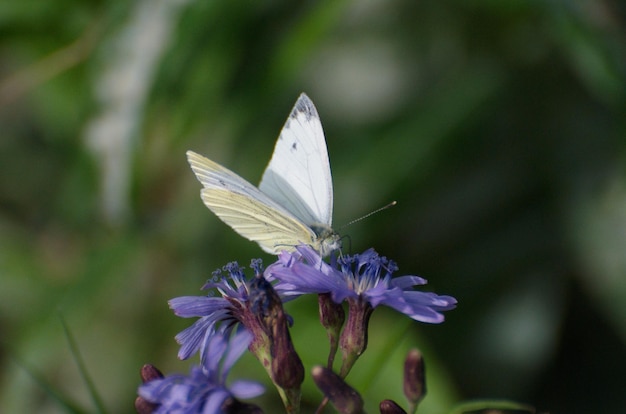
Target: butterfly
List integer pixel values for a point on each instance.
(294, 202)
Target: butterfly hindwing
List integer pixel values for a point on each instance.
(270, 228)
(246, 209)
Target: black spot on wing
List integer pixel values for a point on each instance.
(304, 106)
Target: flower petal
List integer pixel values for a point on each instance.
(194, 306)
(246, 389)
(408, 281)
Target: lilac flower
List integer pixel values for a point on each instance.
(204, 391)
(254, 306)
(215, 313)
(364, 281)
(365, 276)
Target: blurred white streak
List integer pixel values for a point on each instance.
(597, 227)
(121, 89)
(360, 80)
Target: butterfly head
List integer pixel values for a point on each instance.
(327, 240)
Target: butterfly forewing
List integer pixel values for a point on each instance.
(298, 175)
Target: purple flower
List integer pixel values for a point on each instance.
(364, 281)
(365, 277)
(223, 313)
(204, 390)
(257, 308)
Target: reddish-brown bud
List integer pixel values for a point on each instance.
(343, 397)
(148, 373)
(390, 407)
(354, 335)
(414, 379)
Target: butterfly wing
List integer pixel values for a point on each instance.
(298, 175)
(247, 210)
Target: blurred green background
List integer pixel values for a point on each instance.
(498, 126)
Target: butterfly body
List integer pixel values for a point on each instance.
(293, 203)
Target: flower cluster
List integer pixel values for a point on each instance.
(204, 390)
(240, 314)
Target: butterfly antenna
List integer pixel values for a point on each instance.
(393, 203)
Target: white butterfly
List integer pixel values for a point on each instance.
(294, 202)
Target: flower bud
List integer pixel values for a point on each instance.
(354, 336)
(286, 367)
(344, 398)
(148, 373)
(144, 407)
(390, 407)
(414, 379)
(332, 317)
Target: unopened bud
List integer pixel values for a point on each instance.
(390, 407)
(353, 340)
(414, 379)
(145, 407)
(285, 365)
(332, 314)
(344, 398)
(287, 368)
(148, 373)
(332, 317)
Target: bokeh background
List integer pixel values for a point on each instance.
(498, 126)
